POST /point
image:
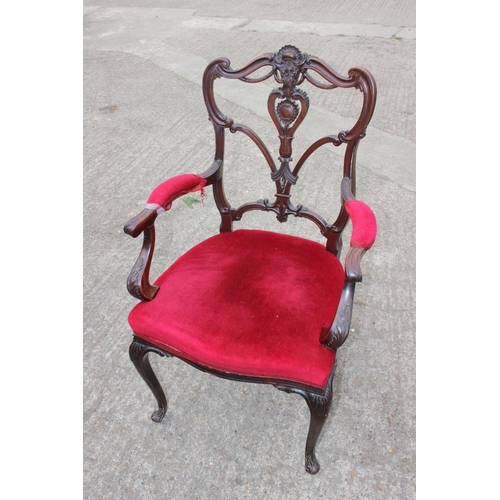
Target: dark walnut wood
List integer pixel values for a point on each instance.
(138, 283)
(139, 352)
(288, 106)
(318, 400)
(319, 407)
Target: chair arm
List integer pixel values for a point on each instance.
(364, 224)
(163, 195)
(159, 200)
(364, 231)
(136, 225)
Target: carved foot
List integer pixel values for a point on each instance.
(158, 415)
(312, 464)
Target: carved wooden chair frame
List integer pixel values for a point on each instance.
(288, 106)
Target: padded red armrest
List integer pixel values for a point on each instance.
(163, 195)
(364, 224)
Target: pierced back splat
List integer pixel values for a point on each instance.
(288, 106)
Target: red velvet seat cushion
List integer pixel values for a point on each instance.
(250, 303)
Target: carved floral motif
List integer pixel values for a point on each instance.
(134, 280)
(287, 111)
(289, 61)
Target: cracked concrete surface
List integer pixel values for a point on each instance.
(145, 121)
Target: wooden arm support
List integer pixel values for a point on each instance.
(353, 264)
(336, 335)
(160, 200)
(138, 283)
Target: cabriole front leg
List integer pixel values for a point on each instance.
(319, 407)
(139, 351)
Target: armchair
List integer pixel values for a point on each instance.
(253, 305)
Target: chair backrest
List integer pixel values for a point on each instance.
(288, 106)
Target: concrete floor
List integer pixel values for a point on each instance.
(145, 121)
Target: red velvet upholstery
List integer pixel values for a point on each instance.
(175, 187)
(248, 302)
(364, 224)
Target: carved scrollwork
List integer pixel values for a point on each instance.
(134, 281)
(138, 283)
(302, 94)
(340, 331)
(342, 322)
(290, 52)
(288, 106)
(284, 174)
(318, 402)
(282, 207)
(321, 402)
(289, 61)
(139, 347)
